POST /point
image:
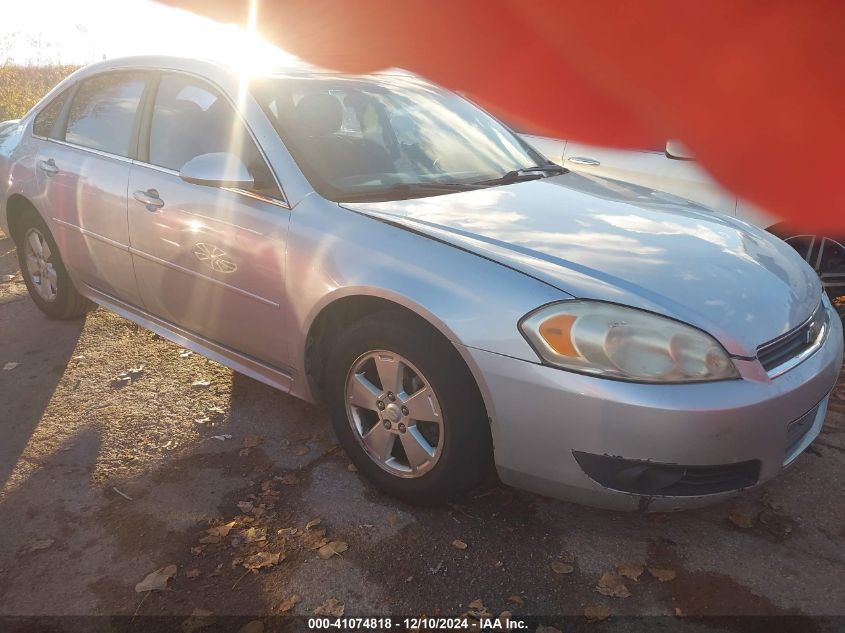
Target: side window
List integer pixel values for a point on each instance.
(45, 121)
(102, 113)
(190, 118)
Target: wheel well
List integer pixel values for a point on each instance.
(334, 318)
(16, 206)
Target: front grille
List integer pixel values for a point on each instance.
(783, 349)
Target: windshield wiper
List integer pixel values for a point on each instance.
(525, 173)
(408, 190)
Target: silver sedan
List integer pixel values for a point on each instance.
(459, 304)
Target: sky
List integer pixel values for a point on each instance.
(83, 31)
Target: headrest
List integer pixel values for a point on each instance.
(319, 114)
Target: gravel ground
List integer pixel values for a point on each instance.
(104, 480)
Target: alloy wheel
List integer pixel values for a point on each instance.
(394, 413)
(40, 269)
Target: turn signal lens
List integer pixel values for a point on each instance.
(556, 332)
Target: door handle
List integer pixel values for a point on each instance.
(48, 167)
(150, 199)
(583, 160)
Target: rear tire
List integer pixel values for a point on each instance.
(44, 271)
(447, 418)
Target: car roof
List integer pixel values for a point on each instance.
(201, 66)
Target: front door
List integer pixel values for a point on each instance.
(207, 259)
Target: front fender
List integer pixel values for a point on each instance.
(473, 301)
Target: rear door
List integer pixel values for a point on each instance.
(84, 140)
(210, 260)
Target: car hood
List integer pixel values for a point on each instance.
(602, 239)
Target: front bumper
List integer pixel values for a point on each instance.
(542, 416)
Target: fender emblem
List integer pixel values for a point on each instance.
(214, 257)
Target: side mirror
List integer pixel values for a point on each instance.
(677, 151)
(219, 169)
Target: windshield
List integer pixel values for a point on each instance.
(388, 137)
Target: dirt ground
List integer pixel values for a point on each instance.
(104, 480)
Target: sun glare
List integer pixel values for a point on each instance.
(84, 31)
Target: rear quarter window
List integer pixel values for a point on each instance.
(102, 113)
(45, 121)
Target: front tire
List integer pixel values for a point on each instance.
(407, 410)
(44, 271)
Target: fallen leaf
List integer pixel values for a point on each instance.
(221, 530)
(37, 544)
(562, 568)
(254, 535)
(288, 532)
(256, 626)
(197, 551)
(630, 570)
(314, 538)
(202, 420)
(779, 525)
(505, 616)
(302, 450)
(351, 468)
(772, 504)
(288, 479)
(741, 520)
(596, 613)
(246, 506)
(332, 607)
(290, 603)
(199, 619)
(610, 584)
(679, 612)
(477, 610)
(10, 366)
(251, 441)
(333, 548)
(261, 560)
(157, 580)
(192, 573)
(199, 384)
(459, 544)
(312, 523)
(517, 600)
(663, 575)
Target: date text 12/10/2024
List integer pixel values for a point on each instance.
(423, 623)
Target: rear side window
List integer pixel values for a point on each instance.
(102, 113)
(190, 118)
(45, 121)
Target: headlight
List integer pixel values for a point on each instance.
(624, 343)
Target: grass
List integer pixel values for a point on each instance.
(22, 86)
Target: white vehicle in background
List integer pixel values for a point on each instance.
(673, 170)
